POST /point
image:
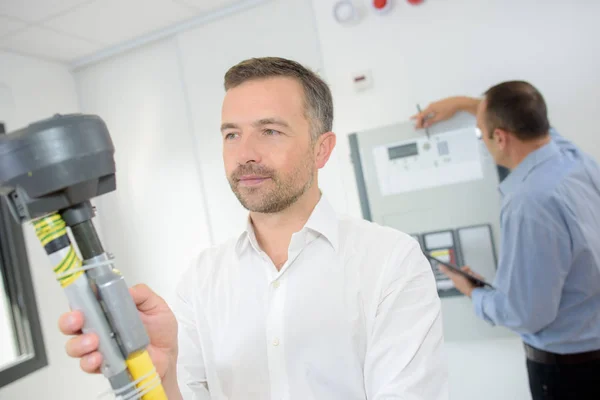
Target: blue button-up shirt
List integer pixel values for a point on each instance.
(547, 286)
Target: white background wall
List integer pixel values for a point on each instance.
(443, 48)
(40, 89)
(162, 105)
(155, 222)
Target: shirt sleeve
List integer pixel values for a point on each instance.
(530, 277)
(191, 372)
(405, 357)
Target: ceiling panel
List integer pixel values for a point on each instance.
(209, 5)
(48, 44)
(68, 30)
(37, 10)
(114, 21)
(9, 25)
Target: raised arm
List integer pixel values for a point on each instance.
(444, 109)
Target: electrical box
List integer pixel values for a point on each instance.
(441, 188)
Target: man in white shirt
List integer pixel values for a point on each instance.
(304, 304)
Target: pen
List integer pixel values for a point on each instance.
(424, 118)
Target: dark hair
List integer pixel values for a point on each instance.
(517, 107)
(318, 99)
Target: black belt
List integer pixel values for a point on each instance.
(545, 357)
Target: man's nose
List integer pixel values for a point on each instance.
(249, 150)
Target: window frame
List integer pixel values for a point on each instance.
(16, 273)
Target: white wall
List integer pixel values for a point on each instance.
(40, 89)
(155, 222)
(442, 48)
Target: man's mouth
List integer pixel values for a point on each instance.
(252, 180)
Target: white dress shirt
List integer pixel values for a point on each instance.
(352, 315)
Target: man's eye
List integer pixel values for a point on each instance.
(230, 136)
(271, 132)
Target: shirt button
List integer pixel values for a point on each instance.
(276, 284)
(275, 342)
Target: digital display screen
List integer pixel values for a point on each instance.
(406, 150)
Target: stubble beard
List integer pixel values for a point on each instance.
(276, 194)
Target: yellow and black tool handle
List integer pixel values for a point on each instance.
(52, 233)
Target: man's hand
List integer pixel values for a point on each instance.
(160, 323)
(462, 283)
(445, 109)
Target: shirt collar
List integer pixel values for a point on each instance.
(520, 173)
(323, 221)
(247, 237)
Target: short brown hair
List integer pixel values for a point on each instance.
(318, 99)
(517, 107)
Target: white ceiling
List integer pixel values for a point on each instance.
(70, 30)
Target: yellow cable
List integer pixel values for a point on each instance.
(139, 365)
(53, 227)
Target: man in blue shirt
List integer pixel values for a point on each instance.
(547, 286)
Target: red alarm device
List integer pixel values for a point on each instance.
(382, 6)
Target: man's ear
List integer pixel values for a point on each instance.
(324, 148)
(500, 137)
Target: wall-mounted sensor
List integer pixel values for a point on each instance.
(344, 12)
